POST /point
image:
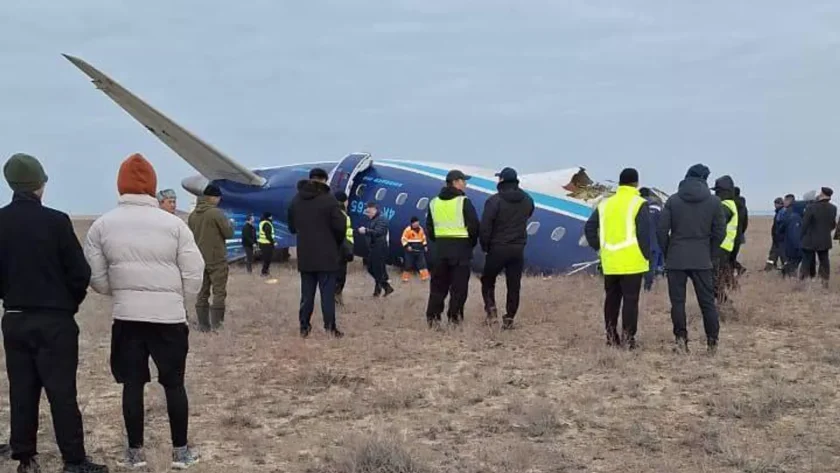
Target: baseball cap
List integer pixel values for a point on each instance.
(455, 175)
(508, 175)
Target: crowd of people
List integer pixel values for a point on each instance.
(149, 261)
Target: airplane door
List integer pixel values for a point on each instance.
(343, 174)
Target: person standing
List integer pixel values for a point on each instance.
(619, 230)
(414, 250)
(147, 263)
(503, 237)
(265, 239)
(211, 229)
(775, 258)
(452, 225)
(347, 249)
(167, 200)
(43, 280)
(790, 234)
(656, 260)
(724, 274)
(690, 227)
(376, 232)
(819, 221)
(249, 239)
(743, 223)
(320, 226)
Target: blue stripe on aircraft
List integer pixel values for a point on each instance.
(581, 210)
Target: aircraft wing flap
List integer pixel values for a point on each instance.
(206, 159)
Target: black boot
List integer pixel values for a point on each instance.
(613, 340)
(388, 289)
(203, 316)
(377, 290)
(630, 341)
(681, 346)
(507, 322)
(711, 346)
(492, 315)
(86, 466)
(29, 466)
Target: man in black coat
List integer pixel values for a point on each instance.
(43, 279)
(376, 232)
(503, 237)
(452, 255)
(690, 227)
(819, 220)
(743, 223)
(315, 217)
(249, 239)
(776, 254)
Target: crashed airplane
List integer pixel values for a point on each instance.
(564, 198)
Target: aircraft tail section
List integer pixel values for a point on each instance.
(207, 160)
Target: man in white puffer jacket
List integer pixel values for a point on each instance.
(146, 259)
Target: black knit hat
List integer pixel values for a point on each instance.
(341, 196)
(212, 190)
(628, 176)
(827, 191)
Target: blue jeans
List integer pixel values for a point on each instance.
(656, 264)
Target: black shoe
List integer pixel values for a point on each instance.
(86, 466)
(681, 346)
(434, 324)
(304, 332)
(377, 292)
(388, 290)
(507, 323)
(613, 340)
(336, 333)
(29, 466)
(711, 346)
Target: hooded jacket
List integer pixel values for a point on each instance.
(146, 259)
(211, 229)
(316, 218)
(725, 190)
(789, 230)
(42, 267)
(454, 248)
(691, 225)
(817, 224)
(505, 218)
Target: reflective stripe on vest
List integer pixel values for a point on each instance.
(448, 217)
(731, 226)
(263, 238)
(620, 252)
(349, 232)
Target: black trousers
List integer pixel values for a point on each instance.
(42, 351)
(791, 266)
(376, 267)
(266, 254)
(704, 289)
(449, 276)
(809, 264)
(724, 276)
(249, 258)
(341, 277)
(309, 283)
(511, 261)
(132, 344)
(622, 294)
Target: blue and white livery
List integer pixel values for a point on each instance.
(401, 188)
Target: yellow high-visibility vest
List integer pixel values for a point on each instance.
(349, 232)
(262, 238)
(448, 217)
(731, 226)
(620, 252)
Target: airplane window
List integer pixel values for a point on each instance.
(422, 203)
(360, 191)
(402, 198)
(380, 194)
(558, 233)
(532, 228)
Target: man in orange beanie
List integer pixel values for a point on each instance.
(211, 229)
(147, 261)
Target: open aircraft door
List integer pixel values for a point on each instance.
(343, 174)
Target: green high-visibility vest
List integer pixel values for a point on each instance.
(262, 238)
(620, 253)
(448, 217)
(731, 226)
(349, 233)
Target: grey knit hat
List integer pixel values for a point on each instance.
(24, 173)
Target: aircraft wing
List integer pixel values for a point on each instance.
(207, 160)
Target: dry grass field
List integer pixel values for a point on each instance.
(394, 397)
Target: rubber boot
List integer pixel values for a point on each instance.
(217, 317)
(203, 316)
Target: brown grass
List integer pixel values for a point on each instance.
(393, 397)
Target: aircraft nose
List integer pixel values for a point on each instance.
(195, 184)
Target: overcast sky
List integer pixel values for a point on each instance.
(749, 88)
